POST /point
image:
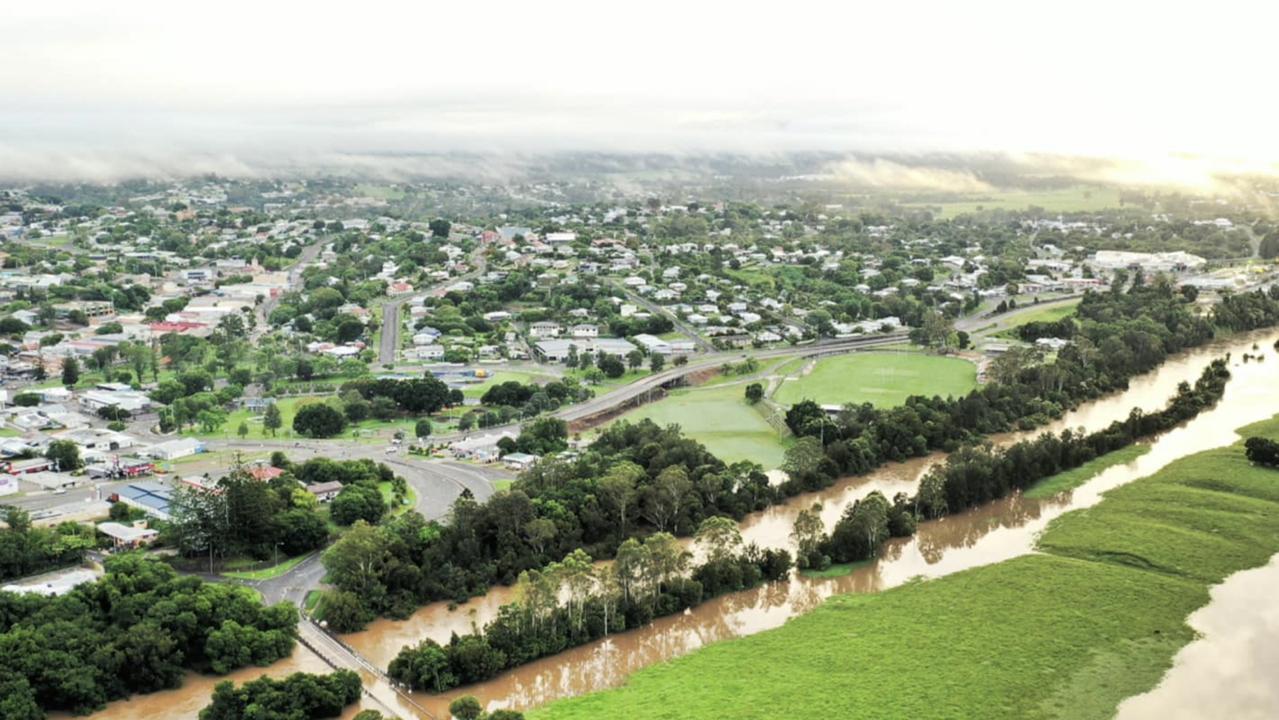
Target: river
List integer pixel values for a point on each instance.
(992, 533)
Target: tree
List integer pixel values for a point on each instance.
(719, 538)
(618, 490)
(466, 708)
(1262, 451)
(934, 331)
(65, 454)
(634, 359)
(807, 533)
(342, 611)
(358, 501)
(804, 458)
(663, 499)
(424, 667)
(611, 366)
(656, 363)
(118, 512)
(271, 420)
(242, 430)
(440, 227)
(70, 372)
(754, 393)
(422, 428)
(318, 420)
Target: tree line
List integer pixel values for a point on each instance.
(27, 550)
(647, 579)
(300, 696)
(637, 479)
(1119, 335)
(136, 630)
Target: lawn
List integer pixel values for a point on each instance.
(368, 430)
(380, 192)
(478, 389)
(1071, 479)
(1068, 633)
(1051, 313)
(607, 383)
(721, 420)
(1080, 198)
(265, 573)
(882, 379)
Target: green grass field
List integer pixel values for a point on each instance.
(1052, 313)
(1074, 199)
(268, 572)
(380, 192)
(478, 389)
(883, 379)
(369, 430)
(1068, 633)
(1071, 479)
(721, 420)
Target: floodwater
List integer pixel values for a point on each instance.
(992, 533)
(1230, 671)
(196, 690)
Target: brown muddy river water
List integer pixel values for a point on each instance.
(989, 534)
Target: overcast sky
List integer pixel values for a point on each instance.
(99, 88)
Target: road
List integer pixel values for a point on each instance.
(391, 328)
(437, 483)
(656, 309)
(991, 324)
(389, 347)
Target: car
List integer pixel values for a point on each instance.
(60, 491)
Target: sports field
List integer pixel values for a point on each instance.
(720, 419)
(884, 379)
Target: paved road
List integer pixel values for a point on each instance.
(389, 348)
(391, 328)
(437, 483)
(680, 325)
(73, 498)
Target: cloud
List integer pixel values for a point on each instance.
(885, 174)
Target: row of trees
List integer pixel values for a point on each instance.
(1119, 335)
(26, 550)
(244, 516)
(531, 399)
(300, 696)
(634, 480)
(975, 475)
(137, 630)
(647, 579)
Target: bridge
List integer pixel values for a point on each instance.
(393, 700)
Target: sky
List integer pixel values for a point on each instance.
(99, 90)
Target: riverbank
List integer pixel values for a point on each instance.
(1095, 618)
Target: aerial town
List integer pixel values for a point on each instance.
(316, 363)
(566, 361)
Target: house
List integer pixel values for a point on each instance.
(127, 400)
(325, 491)
(481, 447)
(174, 449)
(586, 330)
(127, 537)
(519, 461)
(545, 328)
(153, 498)
(265, 473)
